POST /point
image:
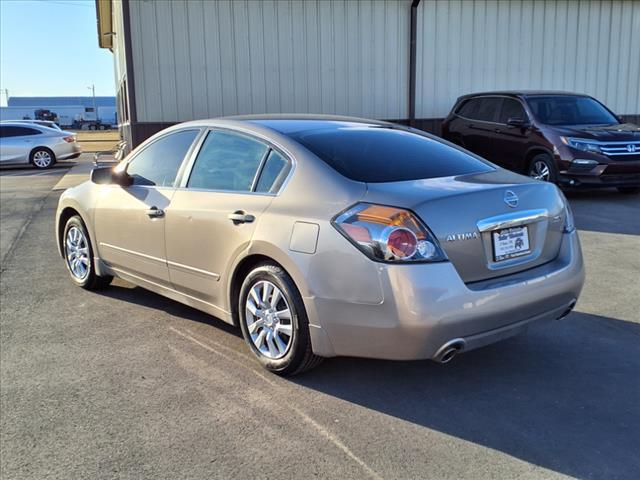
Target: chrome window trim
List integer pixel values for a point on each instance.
(190, 162)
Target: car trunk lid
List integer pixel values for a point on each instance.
(476, 217)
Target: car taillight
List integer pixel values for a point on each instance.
(69, 139)
(388, 234)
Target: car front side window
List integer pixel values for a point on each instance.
(158, 164)
(511, 109)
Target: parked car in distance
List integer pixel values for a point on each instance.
(22, 143)
(326, 236)
(569, 139)
(42, 123)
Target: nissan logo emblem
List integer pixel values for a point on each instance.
(511, 199)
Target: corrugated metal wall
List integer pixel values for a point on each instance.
(196, 59)
(199, 59)
(587, 46)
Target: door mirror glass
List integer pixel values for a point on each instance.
(108, 176)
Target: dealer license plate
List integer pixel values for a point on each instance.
(510, 242)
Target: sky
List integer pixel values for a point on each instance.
(50, 48)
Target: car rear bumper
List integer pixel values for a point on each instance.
(427, 306)
(66, 151)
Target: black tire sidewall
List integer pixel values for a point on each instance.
(42, 149)
(543, 157)
(300, 341)
(90, 279)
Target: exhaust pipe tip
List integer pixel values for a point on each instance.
(449, 350)
(567, 311)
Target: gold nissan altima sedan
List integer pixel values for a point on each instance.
(327, 236)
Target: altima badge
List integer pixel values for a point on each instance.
(511, 199)
(461, 236)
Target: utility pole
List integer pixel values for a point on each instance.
(93, 91)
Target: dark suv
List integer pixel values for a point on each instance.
(569, 139)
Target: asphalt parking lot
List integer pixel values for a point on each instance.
(125, 383)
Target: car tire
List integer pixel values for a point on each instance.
(42, 158)
(277, 334)
(542, 167)
(78, 256)
(629, 190)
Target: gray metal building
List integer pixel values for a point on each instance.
(403, 60)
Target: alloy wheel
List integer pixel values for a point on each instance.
(540, 171)
(42, 159)
(268, 319)
(77, 252)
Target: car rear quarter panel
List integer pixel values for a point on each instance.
(336, 269)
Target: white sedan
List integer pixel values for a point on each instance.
(40, 146)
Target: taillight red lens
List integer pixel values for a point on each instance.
(388, 234)
(69, 139)
(401, 243)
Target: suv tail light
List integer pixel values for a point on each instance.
(388, 234)
(69, 139)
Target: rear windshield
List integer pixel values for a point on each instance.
(570, 110)
(379, 154)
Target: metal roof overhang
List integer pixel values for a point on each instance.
(104, 23)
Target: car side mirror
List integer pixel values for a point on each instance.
(107, 176)
(517, 122)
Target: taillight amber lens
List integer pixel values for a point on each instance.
(388, 234)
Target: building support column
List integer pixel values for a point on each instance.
(412, 60)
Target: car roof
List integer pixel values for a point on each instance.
(286, 124)
(524, 93)
(18, 123)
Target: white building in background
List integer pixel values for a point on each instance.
(181, 60)
(67, 109)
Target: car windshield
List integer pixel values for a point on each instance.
(378, 154)
(570, 110)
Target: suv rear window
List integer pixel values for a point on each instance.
(378, 154)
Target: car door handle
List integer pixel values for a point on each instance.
(155, 212)
(239, 217)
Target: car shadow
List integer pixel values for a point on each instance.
(139, 296)
(564, 396)
(615, 213)
(30, 169)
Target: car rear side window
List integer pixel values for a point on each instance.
(511, 108)
(379, 154)
(18, 132)
(273, 174)
(227, 161)
(158, 163)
